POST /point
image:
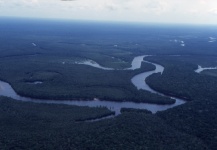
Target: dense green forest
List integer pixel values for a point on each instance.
(197, 118)
(72, 81)
(123, 110)
(46, 51)
(26, 125)
(44, 63)
(210, 72)
(179, 79)
(35, 50)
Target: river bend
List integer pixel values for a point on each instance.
(138, 81)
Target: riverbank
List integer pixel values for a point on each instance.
(8, 91)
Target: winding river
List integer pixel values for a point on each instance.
(138, 81)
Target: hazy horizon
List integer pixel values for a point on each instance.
(141, 11)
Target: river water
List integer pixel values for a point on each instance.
(138, 81)
(200, 69)
(136, 63)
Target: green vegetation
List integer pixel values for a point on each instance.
(44, 62)
(72, 81)
(197, 118)
(210, 72)
(51, 61)
(123, 110)
(110, 45)
(180, 80)
(43, 126)
(63, 112)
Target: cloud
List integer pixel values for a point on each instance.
(130, 10)
(213, 11)
(1, 2)
(17, 4)
(111, 7)
(30, 1)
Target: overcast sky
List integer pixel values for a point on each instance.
(165, 11)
